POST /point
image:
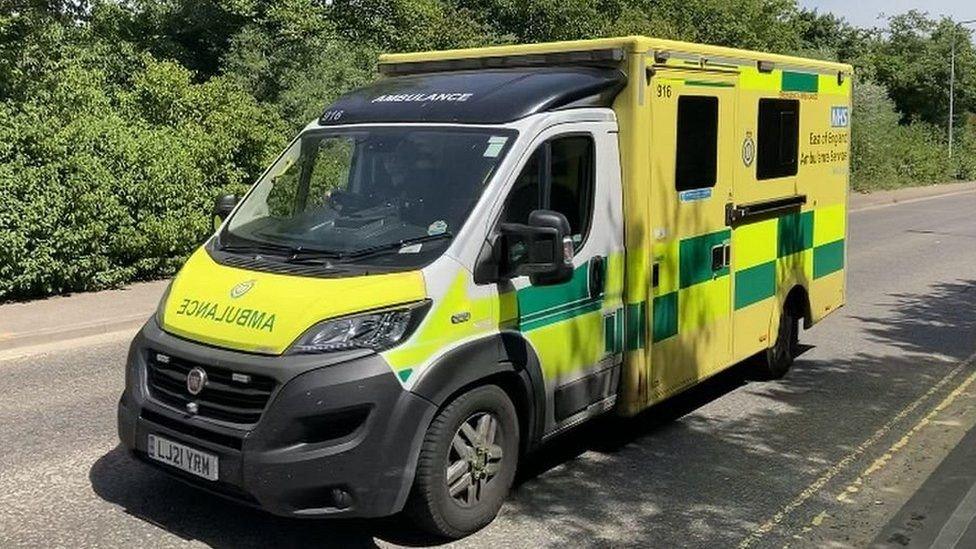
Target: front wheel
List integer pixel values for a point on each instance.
(467, 464)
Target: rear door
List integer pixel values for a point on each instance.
(693, 122)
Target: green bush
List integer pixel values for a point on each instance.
(965, 150)
(106, 179)
(887, 154)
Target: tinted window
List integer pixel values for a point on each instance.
(778, 139)
(571, 185)
(559, 177)
(346, 190)
(697, 144)
(526, 194)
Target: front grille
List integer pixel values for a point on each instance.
(223, 398)
(229, 441)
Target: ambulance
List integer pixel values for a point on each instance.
(486, 248)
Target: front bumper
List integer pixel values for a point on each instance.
(339, 436)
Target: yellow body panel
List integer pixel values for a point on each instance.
(755, 244)
(270, 311)
(666, 258)
(702, 306)
(439, 331)
(830, 224)
(567, 347)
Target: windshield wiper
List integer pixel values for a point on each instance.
(254, 248)
(289, 253)
(394, 245)
(300, 254)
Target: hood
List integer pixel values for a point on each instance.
(264, 312)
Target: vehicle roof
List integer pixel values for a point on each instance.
(629, 44)
(484, 96)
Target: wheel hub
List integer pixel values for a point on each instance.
(475, 457)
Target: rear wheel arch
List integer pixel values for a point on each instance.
(798, 302)
(784, 322)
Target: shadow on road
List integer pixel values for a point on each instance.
(668, 477)
(711, 477)
(192, 514)
(942, 320)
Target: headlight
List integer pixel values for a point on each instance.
(378, 330)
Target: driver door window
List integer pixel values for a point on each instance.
(559, 176)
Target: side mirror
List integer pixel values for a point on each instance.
(222, 208)
(542, 249)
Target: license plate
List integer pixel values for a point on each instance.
(183, 457)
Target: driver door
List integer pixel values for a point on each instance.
(575, 327)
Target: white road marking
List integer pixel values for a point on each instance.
(47, 348)
(955, 528)
(909, 201)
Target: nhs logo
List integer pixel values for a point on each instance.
(839, 117)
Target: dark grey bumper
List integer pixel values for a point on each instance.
(339, 437)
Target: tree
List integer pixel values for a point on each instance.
(913, 63)
(409, 25)
(110, 159)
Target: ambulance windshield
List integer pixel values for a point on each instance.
(358, 192)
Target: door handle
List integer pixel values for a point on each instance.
(721, 256)
(744, 212)
(597, 275)
(718, 257)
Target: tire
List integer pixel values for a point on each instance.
(484, 478)
(779, 357)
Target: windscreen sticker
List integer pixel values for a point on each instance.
(495, 144)
(411, 249)
(437, 227)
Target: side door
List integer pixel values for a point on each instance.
(693, 121)
(773, 223)
(575, 328)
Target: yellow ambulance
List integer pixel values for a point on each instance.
(483, 249)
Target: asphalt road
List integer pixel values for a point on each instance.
(732, 463)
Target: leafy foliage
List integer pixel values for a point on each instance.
(107, 176)
(121, 120)
(914, 65)
(887, 154)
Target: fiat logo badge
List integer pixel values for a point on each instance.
(196, 380)
(241, 289)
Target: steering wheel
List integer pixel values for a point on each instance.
(340, 200)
